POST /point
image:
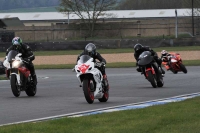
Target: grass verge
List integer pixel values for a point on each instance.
(178, 117)
(110, 51)
(110, 65)
(3, 77)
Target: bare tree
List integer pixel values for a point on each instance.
(89, 11)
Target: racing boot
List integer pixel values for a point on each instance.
(139, 69)
(105, 82)
(162, 71)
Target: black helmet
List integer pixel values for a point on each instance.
(138, 47)
(90, 49)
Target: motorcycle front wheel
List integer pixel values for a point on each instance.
(89, 95)
(151, 79)
(14, 86)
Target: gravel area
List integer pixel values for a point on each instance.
(110, 58)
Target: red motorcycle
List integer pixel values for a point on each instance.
(19, 74)
(174, 63)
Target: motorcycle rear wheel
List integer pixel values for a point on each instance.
(89, 95)
(14, 86)
(151, 79)
(105, 96)
(160, 81)
(31, 90)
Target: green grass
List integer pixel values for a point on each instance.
(3, 77)
(109, 51)
(178, 117)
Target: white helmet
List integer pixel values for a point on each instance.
(164, 52)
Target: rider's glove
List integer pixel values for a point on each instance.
(99, 64)
(103, 63)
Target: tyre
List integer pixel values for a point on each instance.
(151, 79)
(105, 95)
(183, 68)
(160, 83)
(174, 72)
(89, 95)
(14, 86)
(31, 90)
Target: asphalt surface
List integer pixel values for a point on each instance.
(59, 93)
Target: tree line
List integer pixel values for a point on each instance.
(157, 4)
(122, 4)
(14, 4)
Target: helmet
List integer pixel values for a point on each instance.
(90, 49)
(17, 42)
(164, 52)
(138, 47)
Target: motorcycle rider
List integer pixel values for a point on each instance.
(27, 55)
(90, 49)
(138, 48)
(165, 58)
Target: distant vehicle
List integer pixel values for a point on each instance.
(175, 63)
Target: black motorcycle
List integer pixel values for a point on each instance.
(150, 69)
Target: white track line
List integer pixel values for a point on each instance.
(109, 109)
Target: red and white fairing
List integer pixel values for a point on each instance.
(88, 67)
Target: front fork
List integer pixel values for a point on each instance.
(18, 75)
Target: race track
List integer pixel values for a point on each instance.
(59, 93)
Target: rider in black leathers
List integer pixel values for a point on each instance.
(27, 55)
(138, 48)
(90, 49)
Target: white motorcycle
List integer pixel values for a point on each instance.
(19, 74)
(91, 79)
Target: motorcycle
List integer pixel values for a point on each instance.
(91, 79)
(19, 74)
(150, 69)
(174, 63)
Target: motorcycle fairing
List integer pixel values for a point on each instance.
(149, 69)
(83, 68)
(24, 71)
(89, 69)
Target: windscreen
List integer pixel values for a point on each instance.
(145, 54)
(11, 55)
(84, 58)
(145, 58)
